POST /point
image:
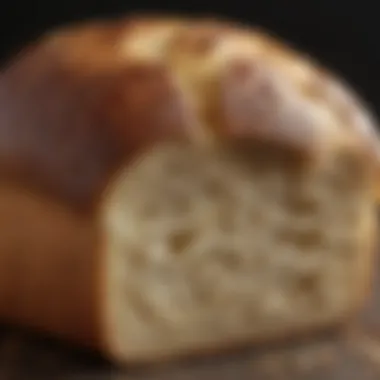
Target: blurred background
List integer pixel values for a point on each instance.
(342, 34)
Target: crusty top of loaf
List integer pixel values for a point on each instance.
(81, 101)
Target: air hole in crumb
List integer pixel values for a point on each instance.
(348, 173)
(180, 241)
(203, 295)
(309, 238)
(302, 205)
(307, 287)
(229, 258)
(308, 283)
(213, 188)
(304, 239)
(137, 257)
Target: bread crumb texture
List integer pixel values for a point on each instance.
(207, 247)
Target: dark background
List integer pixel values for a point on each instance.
(344, 35)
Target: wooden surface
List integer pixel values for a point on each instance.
(350, 355)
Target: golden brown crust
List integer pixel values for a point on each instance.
(47, 267)
(66, 133)
(85, 99)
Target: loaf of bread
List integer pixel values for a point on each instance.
(173, 186)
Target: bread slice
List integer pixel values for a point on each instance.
(170, 187)
(206, 248)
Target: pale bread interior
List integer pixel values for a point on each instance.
(210, 248)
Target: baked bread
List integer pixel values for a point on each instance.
(174, 186)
